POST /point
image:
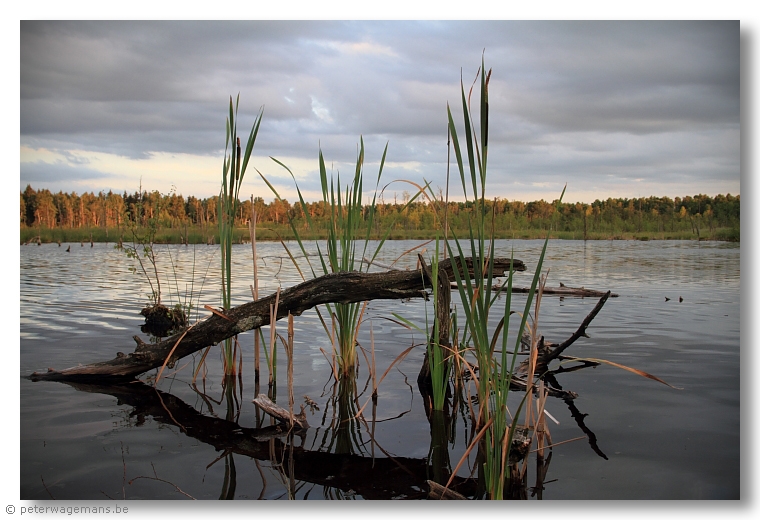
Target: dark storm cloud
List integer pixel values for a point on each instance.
(566, 97)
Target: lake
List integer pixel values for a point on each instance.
(677, 317)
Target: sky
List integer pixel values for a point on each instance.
(612, 109)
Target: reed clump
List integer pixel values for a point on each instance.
(495, 423)
(350, 226)
(233, 172)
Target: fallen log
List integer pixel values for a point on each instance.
(345, 287)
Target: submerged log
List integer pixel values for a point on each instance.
(564, 290)
(346, 287)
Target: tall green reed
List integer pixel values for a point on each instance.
(478, 295)
(434, 376)
(437, 353)
(233, 172)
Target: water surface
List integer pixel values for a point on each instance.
(88, 442)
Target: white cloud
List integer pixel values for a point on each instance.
(320, 110)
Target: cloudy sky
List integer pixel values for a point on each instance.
(613, 109)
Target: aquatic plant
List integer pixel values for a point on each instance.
(160, 319)
(349, 228)
(142, 246)
(233, 172)
(478, 297)
(438, 354)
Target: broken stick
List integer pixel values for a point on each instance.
(281, 414)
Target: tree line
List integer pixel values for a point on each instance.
(695, 214)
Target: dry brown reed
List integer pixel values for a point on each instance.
(289, 353)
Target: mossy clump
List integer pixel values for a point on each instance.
(161, 321)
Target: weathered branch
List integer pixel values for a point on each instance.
(555, 352)
(347, 287)
(439, 492)
(280, 413)
(548, 352)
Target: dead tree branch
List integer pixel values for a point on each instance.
(346, 287)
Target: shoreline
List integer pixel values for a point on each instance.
(209, 236)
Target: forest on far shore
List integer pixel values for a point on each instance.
(111, 217)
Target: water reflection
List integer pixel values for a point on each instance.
(342, 470)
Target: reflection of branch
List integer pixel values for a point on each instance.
(375, 443)
(124, 474)
(381, 478)
(263, 479)
(542, 467)
(161, 480)
(205, 399)
(579, 419)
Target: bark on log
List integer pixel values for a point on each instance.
(346, 287)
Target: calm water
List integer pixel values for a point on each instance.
(89, 442)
